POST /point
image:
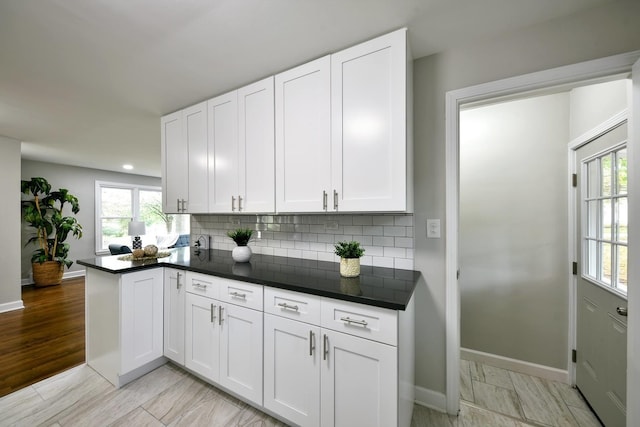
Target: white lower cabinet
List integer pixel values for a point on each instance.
(202, 336)
(174, 316)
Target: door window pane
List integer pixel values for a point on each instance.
(592, 219)
(621, 172)
(622, 220)
(593, 185)
(605, 232)
(605, 173)
(622, 269)
(606, 263)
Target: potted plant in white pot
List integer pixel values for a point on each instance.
(349, 253)
(43, 211)
(242, 252)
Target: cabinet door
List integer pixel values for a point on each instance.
(256, 147)
(369, 125)
(241, 352)
(141, 308)
(174, 304)
(222, 113)
(175, 180)
(195, 137)
(202, 336)
(292, 370)
(358, 382)
(303, 137)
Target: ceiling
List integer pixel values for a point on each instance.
(84, 82)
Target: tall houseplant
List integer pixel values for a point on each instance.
(42, 209)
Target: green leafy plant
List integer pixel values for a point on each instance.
(240, 235)
(350, 249)
(44, 212)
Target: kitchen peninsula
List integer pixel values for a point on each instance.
(288, 336)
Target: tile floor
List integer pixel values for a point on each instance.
(169, 396)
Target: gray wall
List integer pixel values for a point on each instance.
(591, 105)
(10, 220)
(513, 229)
(81, 183)
(596, 33)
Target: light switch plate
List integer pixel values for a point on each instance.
(433, 229)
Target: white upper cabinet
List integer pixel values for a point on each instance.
(184, 160)
(241, 150)
(370, 150)
(303, 137)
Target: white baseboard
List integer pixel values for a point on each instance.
(66, 275)
(516, 365)
(10, 306)
(431, 399)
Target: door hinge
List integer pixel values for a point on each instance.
(457, 274)
(574, 356)
(574, 268)
(574, 180)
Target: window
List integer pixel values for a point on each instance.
(605, 219)
(117, 204)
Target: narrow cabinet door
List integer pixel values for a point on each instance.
(195, 137)
(202, 336)
(174, 304)
(256, 147)
(241, 351)
(358, 382)
(222, 113)
(141, 305)
(292, 357)
(175, 180)
(303, 137)
(369, 125)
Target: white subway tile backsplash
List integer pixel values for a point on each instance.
(387, 238)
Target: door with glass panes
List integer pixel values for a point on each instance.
(601, 328)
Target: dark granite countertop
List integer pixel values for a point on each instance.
(376, 286)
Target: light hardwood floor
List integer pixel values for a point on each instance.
(170, 396)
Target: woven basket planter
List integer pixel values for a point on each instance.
(48, 273)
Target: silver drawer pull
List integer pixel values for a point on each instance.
(325, 347)
(357, 322)
(238, 295)
(213, 311)
(312, 342)
(200, 285)
(220, 318)
(287, 306)
(622, 311)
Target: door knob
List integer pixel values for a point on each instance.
(622, 311)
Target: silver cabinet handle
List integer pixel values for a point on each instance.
(213, 316)
(233, 204)
(200, 286)
(312, 342)
(324, 200)
(325, 349)
(354, 321)
(286, 306)
(622, 311)
(220, 319)
(183, 208)
(239, 203)
(178, 281)
(335, 200)
(238, 295)
(178, 204)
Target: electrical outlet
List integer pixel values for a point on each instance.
(433, 229)
(204, 241)
(331, 225)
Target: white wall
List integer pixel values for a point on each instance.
(594, 104)
(81, 183)
(596, 33)
(513, 229)
(10, 294)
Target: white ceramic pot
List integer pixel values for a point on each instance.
(241, 254)
(349, 267)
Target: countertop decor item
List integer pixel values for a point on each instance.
(136, 228)
(349, 253)
(43, 210)
(242, 252)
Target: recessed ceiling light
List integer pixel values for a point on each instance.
(127, 167)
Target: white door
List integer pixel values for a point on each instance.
(369, 125)
(241, 351)
(358, 386)
(175, 179)
(256, 147)
(222, 112)
(601, 327)
(303, 137)
(195, 138)
(174, 304)
(141, 307)
(202, 336)
(292, 370)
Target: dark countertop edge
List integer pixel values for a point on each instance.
(273, 284)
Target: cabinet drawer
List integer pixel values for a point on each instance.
(240, 293)
(202, 284)
(374, 323)
(292, 305)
